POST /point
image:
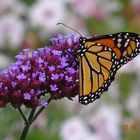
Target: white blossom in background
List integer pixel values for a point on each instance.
(14, 6)
(5, 4)
(132, 104)
(131, 66)
(76, 22)
(96, 8)
(12, 31)
(75, 129)
(45, 14)
(21, 8)
(113, 90)
(106, 121)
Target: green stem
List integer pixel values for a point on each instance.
(27, 125)
(37, 114)
(23, 116)
(40, 110)
(32, 117)
(25, 132)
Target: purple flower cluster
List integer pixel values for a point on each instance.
(52, 69)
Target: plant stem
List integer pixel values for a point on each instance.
(27, 125)
(40, 110)
(23, 116)
(32, 117)
(24, 132)
(37, 114)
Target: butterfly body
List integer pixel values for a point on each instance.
(99, 59)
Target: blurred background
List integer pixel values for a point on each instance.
(29, 24)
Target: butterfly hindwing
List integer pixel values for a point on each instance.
(126, 45)
(129, 45)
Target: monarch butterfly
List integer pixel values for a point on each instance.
(99, 59)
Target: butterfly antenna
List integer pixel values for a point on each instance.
(60, 23)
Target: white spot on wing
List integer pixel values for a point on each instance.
(119, 40)
(119, 45)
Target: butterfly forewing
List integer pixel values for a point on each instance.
(96, 66)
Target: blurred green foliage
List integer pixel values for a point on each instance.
(28, 2)
(126, 82)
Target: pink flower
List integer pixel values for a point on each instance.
(99, 9)
(11, 30)
(46, 14)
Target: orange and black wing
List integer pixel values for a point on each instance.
(126, 45)
(97, 70)
(99, 59)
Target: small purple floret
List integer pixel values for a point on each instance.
(32, 91)
(69, 79)
(27, 96)
(56, 52)
(44, 103)
(51, 68)
(13, 84)
(53, 87)
(54, 76)
(20, 56)
(42, 77)
(21, 77)
(25, 68)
